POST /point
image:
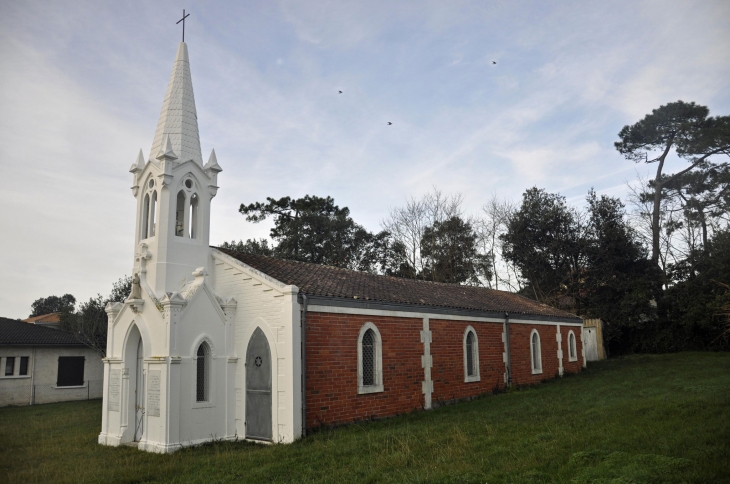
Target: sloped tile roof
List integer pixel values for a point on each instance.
(44, 318)
(335, 282)
(14, 332)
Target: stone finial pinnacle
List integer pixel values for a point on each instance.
(182, 53)
(213, 163)
(139, 164)
(166, 153)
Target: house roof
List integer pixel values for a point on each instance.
(44, 318)
(335, 282)
(14, 332)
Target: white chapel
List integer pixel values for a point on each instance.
(172, 370)
(217, 345)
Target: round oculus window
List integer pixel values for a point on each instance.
(189, 183)
(151, 183)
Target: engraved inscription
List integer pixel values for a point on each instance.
(153, 394)
(115, 378)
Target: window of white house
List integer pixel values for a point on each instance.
(572, 353)
(535, 352)
(23, 370)
(70, 371)
(202, 367)
(369, 360)
(194, 216)
(9, 365)
(180, 214)
(471, 355)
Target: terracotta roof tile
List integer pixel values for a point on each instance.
(335, 282)
(44, 318)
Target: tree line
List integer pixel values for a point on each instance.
(656, 271)
(655, 268)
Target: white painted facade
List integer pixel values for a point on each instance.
(188, 294)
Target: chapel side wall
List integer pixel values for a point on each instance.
(520, 335)
(259, 305)
(572, 366)
(331, 374)
(447, 350)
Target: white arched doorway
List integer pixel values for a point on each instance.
(139, 393)
(258, 387)
(135, 399)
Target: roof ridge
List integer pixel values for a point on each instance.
(395, 278)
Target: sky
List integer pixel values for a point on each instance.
(82, 84)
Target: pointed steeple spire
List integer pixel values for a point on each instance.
(178, 119)
(139, 164)
(213, 163)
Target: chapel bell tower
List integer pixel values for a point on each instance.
(174, 190)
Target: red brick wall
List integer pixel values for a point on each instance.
(331, 348)
(520, 353)
(575, 366)
(447, 350)
(331, 371)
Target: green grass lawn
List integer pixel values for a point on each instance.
(656, 418)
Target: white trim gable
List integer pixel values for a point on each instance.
(253, 273)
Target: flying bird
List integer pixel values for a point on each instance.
(389, 123)
(340, 92)
(493, 62)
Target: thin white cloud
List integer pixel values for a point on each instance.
(77, 103)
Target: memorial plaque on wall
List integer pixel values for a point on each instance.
(115, 380)
(153, 394)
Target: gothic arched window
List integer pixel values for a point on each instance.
(194, 216)
(369, 360)
(180, 214)
(145, 216)
(535, 352)
(203, 362)
(153, 214)
(471, 355)
(572, 353)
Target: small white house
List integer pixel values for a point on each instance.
(44, 365)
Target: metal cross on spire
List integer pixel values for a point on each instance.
(183, 21)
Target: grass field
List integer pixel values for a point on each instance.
(657, 418)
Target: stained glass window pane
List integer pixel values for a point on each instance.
(202, 387)
(368, 358)
(470, 354)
